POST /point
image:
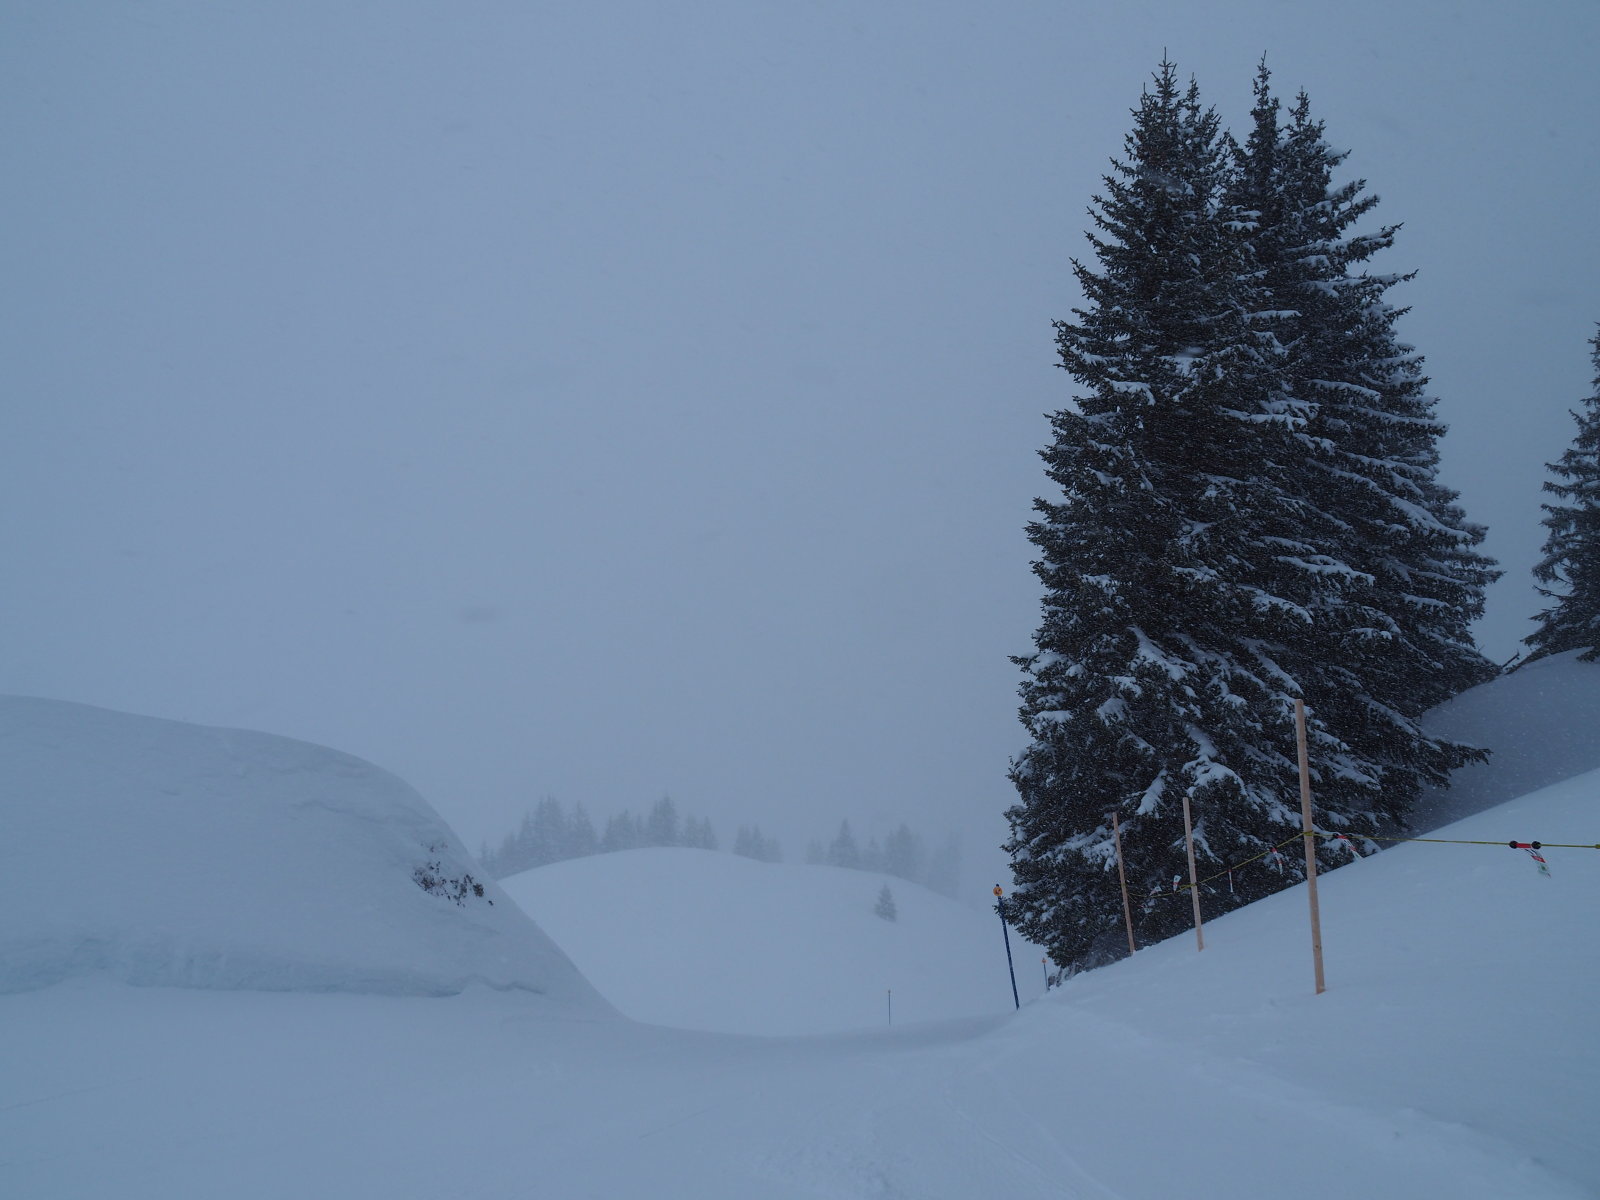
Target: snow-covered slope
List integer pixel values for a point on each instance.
(1453, 1054)
(1542, 723)
(708, 941)
(174, 854)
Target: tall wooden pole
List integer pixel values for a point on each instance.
(1194, 876)
(1311, 841)
(1122, 878)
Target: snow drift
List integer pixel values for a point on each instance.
(175, 854)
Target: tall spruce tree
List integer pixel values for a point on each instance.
(1193, 561)
(1153, 680)
(1402, 580)
(1570, 568)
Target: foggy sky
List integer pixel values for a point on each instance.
(620, 399)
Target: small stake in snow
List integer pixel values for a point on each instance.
(1000, 907)
(1122, 878)
(1310, 839)
(1194, 877)
(891, 1006)
(1533, 849)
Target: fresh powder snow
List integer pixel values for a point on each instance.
(279, 1054)
(700, 940)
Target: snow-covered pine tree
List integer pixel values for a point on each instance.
(885, 906)
(1166, 584)
(1400, 578)
(1194, 559)
(1250, 512)
(1571, 564)
(843, 851)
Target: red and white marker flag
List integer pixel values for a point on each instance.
(1533, 849)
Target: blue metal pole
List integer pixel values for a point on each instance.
(1000, 907)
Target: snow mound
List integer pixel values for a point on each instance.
(716, 942)
(178, 855)
(1542, 722)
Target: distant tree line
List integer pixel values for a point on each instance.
(553, 833)
(750, 843)
(901, 853)
(550, 833)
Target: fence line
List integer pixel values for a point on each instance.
(1350, 838)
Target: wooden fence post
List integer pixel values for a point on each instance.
(1194, 877)
(1122, 878)
(1310, 839)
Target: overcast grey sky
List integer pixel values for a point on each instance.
(612, 399)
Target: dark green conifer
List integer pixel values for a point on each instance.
(1570, 568)
(1154, 677)
(1401, 578)
(1249, 513)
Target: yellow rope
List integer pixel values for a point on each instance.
(1235, 867)
(1372, 837)
(1351, 837)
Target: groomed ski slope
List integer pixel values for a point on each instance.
(1454, 1054)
